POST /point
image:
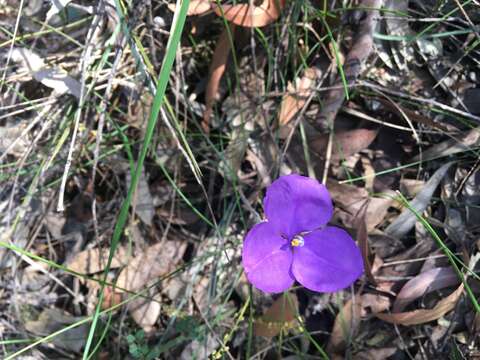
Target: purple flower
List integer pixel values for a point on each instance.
(295, 243)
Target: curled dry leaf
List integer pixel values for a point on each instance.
(294, 100)
(281, 315)
(422, 316)
(362, 239)
(196, 7)
(217, 68)
(252, 15)
(346, 323)
(424, 283)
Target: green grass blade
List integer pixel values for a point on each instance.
(173, 41)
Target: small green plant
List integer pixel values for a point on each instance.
(188, 329)
(138, 347)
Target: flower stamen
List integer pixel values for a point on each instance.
(297, 241)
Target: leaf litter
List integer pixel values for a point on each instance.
(298, 92)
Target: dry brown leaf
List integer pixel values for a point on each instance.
(155, 261)
(217, 68)
(362, 239)
(374, 303)
(461, 143)
(52, 320)
(352, 199)
(295, 99)
(251, 15)
(345, 143)
(146, 312)
(92, 261)
(346, 323)
(423, 283)
(196, 7)
(281, 315)
(110, 297)
(422, 316)
(376, 354)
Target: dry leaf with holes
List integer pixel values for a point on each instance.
(422, 316)
(281, 315)
(374, 303)
(247, 15)
(217, 68)
(294, 100)
(196, 7)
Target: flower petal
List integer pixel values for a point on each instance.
(267, 259)
(329, 260)
(295, 203)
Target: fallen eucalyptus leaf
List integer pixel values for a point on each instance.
(424, 283)
(422, 316)
(406, 220)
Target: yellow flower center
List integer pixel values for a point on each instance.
(297, 241)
